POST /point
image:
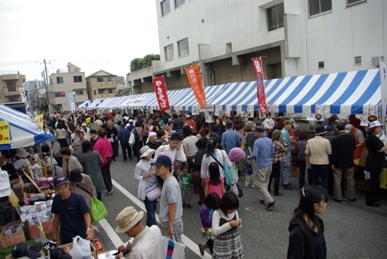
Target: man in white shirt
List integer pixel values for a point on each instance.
(145, 241)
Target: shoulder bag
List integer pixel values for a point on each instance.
(98, 210)
(227, 171)
(153, 192)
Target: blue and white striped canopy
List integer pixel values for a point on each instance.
(94, 104)
(338, 93)
(23, 131)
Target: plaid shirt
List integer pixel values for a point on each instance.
(280, 151)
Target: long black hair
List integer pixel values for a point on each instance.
(213, 168)
(309, 196)
(212, 200)
(211, 145)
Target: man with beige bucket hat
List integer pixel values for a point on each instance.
(145, 241)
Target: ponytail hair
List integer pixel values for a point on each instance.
(211, 145)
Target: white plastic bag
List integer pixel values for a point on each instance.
(132, 139)
(81, 248)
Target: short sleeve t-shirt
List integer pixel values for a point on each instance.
(186, 181)
(171, 194)
(70, 211)
(215, 188)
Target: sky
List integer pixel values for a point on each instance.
(91, 34)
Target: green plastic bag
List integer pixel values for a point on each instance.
(98, 210)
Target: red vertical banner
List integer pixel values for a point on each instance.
(195, 81)
(257, 63)
(161, 93)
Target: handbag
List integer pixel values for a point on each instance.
(105, 161)
(98, 210)
(383, 179)
(172, 249)
(196, 179)
(153, 192)
(227, 171)
(295, 161)
(248, 169)
(81, 248)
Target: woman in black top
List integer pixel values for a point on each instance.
(306, 239)
(374, 161)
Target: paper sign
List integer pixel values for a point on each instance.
(4, 133)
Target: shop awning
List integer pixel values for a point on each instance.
(338, 93)
(23, 132)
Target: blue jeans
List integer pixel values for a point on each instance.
(320, 171)
(285, 169)
(150, 207)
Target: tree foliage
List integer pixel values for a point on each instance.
(140, 63)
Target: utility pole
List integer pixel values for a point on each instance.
(46, 83)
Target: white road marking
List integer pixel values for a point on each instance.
(117, 240)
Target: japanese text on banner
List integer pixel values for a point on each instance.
(257, 63)
(161, 93)
(4, 133)
(195, 81)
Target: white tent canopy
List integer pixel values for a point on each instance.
(23, 132)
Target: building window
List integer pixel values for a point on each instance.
(78, 91)
(165, 7)
(13, 99)
(95, 92)
(275, 16)
(179, 2)
(11, 85)
(109, 79)
(352, 2)
(59, 80)
(319, 6)
(168, 52)
(321, 65)
(105, 91)
(183, 47)
(59, 94)
(77, 79)
(99, 79)
(357, 60)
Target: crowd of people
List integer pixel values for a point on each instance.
(173, 148)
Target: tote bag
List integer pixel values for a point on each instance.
(172, 249)
(98, 210)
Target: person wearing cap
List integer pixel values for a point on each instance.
(318, 150)
(374, 162)
(171, 204)
(71, 213)
(230, 138)
(263, 153)
(190, 121)
(144, 173)
(81, 183)
(331, 132)
(175, 151)
(152, 141)
(359, 138)
(123, 137)
(85, 129)
(145, 242)
(341, 160)
(8, 211)
(285, 165)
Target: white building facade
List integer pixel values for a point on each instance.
(293, 37)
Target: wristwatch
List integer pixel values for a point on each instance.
(89, 229)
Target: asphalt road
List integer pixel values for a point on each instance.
(352, 230)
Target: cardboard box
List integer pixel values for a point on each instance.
(13, 238)
(68, 247)
(33, 230)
